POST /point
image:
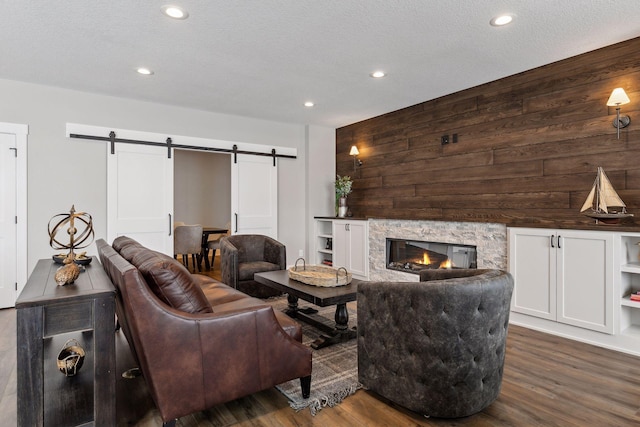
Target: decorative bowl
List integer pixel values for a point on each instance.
(83, 261)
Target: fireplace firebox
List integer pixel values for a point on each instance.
(413, 256)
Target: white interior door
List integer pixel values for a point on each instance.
(8, 225)
(140, 195)
(254, 195)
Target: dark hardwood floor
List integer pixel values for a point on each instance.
(548, 381)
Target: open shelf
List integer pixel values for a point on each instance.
(632, 267)
(626, 301)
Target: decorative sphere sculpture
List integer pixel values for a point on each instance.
(77, 239)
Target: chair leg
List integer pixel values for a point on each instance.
(205, 257)
(213, 257)
(305, 384)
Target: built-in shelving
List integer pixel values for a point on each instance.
(323, 253)
(629, 281)
(621, 267)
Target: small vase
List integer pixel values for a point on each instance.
(342, 207)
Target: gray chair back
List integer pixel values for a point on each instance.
(187, 239)
(436, 347)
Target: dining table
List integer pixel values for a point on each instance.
(206, 232)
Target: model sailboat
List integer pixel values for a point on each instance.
(603, 203)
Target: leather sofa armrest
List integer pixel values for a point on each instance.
(203, 359)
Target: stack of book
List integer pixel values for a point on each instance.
(330, 263)
(635, 296)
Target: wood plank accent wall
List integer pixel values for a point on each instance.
(527, 152)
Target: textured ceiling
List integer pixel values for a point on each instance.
(265, 58)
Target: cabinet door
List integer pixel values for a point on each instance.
(359, 249)
(585, 279)
(341, 245)
(532, 262)
(351, 247)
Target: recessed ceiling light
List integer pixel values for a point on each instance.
(175, 12)
(377, 74)
(309, 104)
(144, 71)
(501, 20)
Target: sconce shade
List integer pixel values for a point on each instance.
(618, 97)
(354, 151)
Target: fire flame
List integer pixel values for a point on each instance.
(446, 264)
(425, 259)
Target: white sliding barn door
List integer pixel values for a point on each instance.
(8, 225)
(254, 195)
(140, 195)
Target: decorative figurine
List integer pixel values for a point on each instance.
(67, 274)
(77, 240)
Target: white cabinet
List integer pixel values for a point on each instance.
(343, 243)
(629, 274)
(565, 276)
(351, 247)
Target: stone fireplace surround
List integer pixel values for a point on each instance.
(489, 238)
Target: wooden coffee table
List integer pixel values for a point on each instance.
(317, 295)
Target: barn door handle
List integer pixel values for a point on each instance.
(169, 224)
(236, 216)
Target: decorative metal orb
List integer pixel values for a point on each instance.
(78, 237)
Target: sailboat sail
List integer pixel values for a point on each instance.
(602, 199)
(609, 197)
(589, 202)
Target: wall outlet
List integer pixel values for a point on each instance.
(444, 139)
(301, 253)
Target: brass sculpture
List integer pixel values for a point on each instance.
(77, 240)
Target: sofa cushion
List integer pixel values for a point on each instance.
(171, 282)
(127, 247)
(217, 292)
(246, 270)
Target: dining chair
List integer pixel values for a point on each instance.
(214, 244)
(187, 240)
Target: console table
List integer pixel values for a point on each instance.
(48, 316)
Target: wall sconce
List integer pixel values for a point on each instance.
(356, 161)
(619, 97)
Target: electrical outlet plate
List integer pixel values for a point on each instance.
(444, 139)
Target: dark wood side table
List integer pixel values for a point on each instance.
(48, 316)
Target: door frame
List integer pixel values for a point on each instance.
(21, 132)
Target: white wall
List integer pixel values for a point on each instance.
(320, 176)
(202, 187)
(63, 171)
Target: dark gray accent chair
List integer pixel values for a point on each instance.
(243, 255)
(437, 346)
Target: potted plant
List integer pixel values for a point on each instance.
(343, 188)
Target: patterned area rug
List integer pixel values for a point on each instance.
(335, 368)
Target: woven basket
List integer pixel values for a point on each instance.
(319, 275)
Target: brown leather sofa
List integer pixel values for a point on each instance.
(198, 342)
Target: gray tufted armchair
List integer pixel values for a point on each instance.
(243, 255)
(436, 346)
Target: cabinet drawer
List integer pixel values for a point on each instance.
(61, 318)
